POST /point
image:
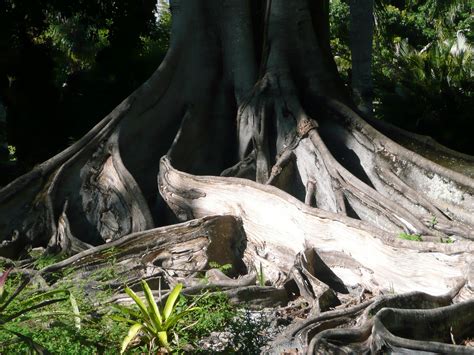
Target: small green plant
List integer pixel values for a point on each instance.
(224, 268)
(214, 265)
(413, 237)
(261, 276)
(433, 222)
(447, 240)
(12, 152)
(217, 314)
(214, 313)
(46, 260)
(155, 324)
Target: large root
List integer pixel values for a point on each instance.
(393, 323)
(361, 260)
(173, 254)
(278, 227)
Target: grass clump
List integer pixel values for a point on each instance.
(413, 237)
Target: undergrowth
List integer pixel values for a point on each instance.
(99, 333)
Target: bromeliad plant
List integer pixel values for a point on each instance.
(155, 324)
(26, 308)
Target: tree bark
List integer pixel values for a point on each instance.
(4, 154)
(361, 38)
(249, 90)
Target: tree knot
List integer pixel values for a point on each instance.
(305, 125)
(276, 170)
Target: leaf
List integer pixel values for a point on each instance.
(38, 348)
(126, 310)
(170, 302)
(17, 291)
(75, 310)
(42, 295)
(163, 338)
(170, 322)
(155, 312)
(139, 303)
(36, 306)
(122, 319)
(132, 333)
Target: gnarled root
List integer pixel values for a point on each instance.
(173, 254)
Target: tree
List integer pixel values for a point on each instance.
(361, 37)
(249, 89)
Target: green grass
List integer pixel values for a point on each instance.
(99, 333)
(216, 314)
(57, 331)
(413, 237)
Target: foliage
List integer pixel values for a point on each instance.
(191, 320)
(155, 324)
(428, 88)
(216, 314)
(423, 65)
(18, 307)
(250, 332)
(57, 328)
(65, 65)
(224, 268)
(413, 237)
(46, 260)
(339, 23)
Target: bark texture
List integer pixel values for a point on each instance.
(309, 191)
(3, 134)
(361, 37)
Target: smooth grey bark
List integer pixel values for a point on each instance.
(361, 36)
(249, 91)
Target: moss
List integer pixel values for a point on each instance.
(413, 237)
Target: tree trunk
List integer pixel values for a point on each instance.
(249, 90)
(361, 38)
(4, 154)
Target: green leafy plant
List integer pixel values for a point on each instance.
(28, 306)
(413, 237)
(156, 324)
(46, 260)
(224, 268)
(216, 313)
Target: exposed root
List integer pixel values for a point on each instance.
(405, 265)
(331, 332)
(425, 189)
(174, 253)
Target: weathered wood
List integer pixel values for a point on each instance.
(172, 253)
(278, 227)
